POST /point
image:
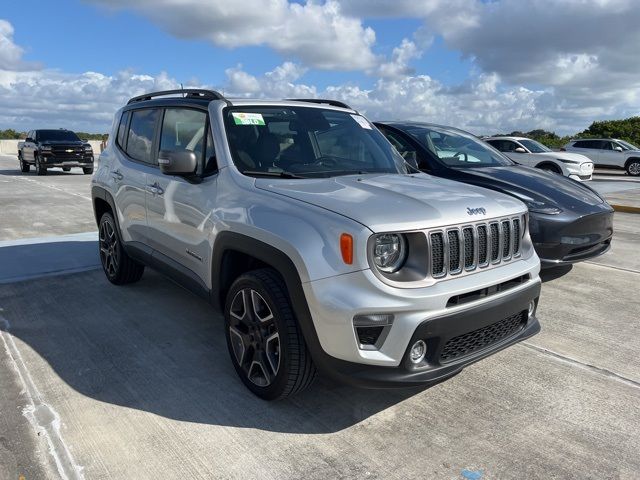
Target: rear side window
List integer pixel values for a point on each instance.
(122, 129)
(141, 130)
(594, 144)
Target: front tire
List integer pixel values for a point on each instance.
(119, 267)
(66, 169)
(633, 167)
(88, 171)
(40, 169)
(24, 166)
(266, 346)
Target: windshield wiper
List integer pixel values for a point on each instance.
(257, 173)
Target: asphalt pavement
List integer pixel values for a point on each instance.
(105, 382)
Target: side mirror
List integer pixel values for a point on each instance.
(520, 150)
(617, 149)
(177, 162)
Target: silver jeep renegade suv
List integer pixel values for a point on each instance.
(315, 238)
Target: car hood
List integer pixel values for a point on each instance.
(394, 202)
(538, 185)
(575, 157)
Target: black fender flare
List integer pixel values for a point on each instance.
(231, 241)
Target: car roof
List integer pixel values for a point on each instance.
(403, 124)
(507, 137)
(235, 102)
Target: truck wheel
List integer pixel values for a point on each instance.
(633, 167)
(66, 169)
(40, 169)
(87, 171)
(119, 267)
(266, 346)
(24, 166)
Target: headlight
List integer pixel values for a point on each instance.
(389, 252)
(45, 148)
(535, 206)
(541, 207)
(87, 148)
(564, 160)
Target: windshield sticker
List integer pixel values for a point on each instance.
(361, 121)
(242, 118)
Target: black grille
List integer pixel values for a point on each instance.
(61, 153)
(482, 245)
(454, 250)
(506, 239)
(468, 247)
(495, 242)
(437, 254)
(473, 246)
(484, 337)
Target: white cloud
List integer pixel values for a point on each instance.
(10, 53)
(317, 34)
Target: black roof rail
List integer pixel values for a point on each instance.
(187, 92)
(334, 103)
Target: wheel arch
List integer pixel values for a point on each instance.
(235, 254)
(629, 160)
(550, 166)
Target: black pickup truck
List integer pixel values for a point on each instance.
(54, 148)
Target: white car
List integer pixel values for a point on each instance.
(534, 154)
(608, 153)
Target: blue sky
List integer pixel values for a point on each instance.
(488, 67)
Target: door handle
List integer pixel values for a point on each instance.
(155, 189)
(117, 175)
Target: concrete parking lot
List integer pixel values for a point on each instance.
(102, 382)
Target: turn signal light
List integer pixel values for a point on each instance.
(346, 248)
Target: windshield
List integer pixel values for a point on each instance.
(307, 142)
(533, 146)
(57, 136)
(627, 145)
(456, 148)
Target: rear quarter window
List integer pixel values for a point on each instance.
(122, 129)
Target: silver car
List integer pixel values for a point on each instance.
(608, 153)
(323, 248)
(526, 151)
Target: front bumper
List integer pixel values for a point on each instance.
(334, 302)
(568, 238)
(463, 327)
(83, 161)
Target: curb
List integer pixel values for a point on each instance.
(625, 208)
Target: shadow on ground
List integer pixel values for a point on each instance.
(553, 273)
(155, 347)
(32, 173)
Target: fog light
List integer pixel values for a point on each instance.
(417, 352)
(532, 307)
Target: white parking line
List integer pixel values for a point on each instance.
(42, 417)
(52, 187)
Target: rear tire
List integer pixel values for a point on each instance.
(119, 267)
(266, 345)
(40, 169)
(87, 171)
(66, 169)
(633, 167)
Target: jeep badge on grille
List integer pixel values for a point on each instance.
(476, 211)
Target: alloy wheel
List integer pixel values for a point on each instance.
(109, 253)
(254, 336)
(634, 168)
